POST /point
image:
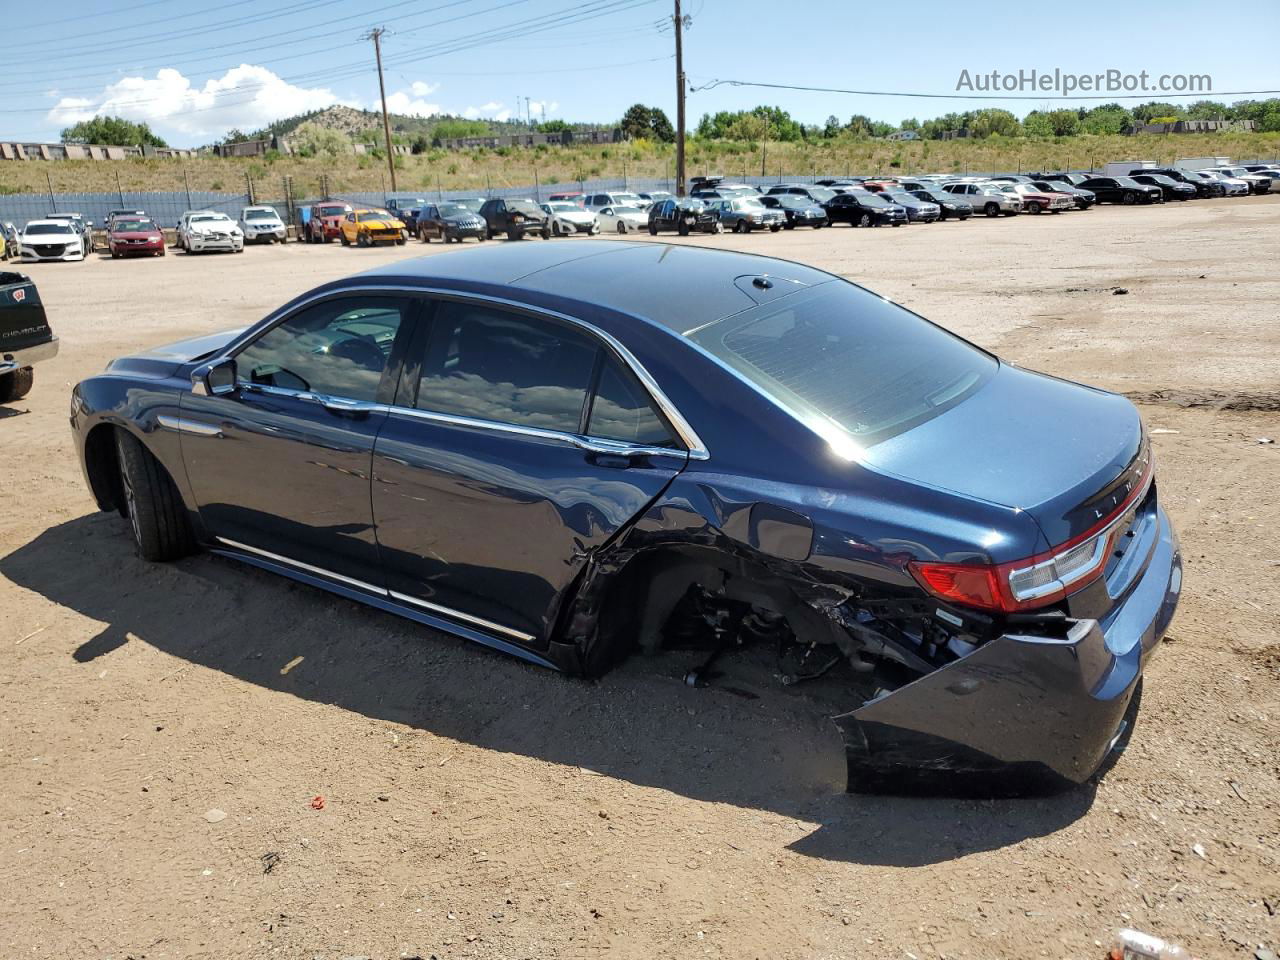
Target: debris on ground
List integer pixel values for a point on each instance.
(215, 815)
(270, 860)
(317, 803)
(1119, 291)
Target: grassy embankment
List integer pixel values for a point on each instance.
(475, 169)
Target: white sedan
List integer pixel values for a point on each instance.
(568, 219)
(623, 219)
(202, 231)
(50, 240)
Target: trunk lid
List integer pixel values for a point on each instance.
(23, 322)
(1061, 451)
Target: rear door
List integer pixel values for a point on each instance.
(519, 445)
(280, 467)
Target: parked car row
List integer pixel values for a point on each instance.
(715, 204)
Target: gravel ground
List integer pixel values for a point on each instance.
(478, 807)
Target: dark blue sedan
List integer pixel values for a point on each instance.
(575, 453)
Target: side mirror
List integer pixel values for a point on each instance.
(215, 379)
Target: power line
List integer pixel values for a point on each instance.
(972, 96)
(592, 10)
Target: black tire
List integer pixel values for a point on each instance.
(16, 384)
(653, 230)
(682, 228)
(1033, 207)
(161, 527)
(515, 234)
(622, 228)
(1129, 198)
(546, 233)
(423, 235)
(864, 220)
(775, 228)
(342, 238)
(717, 227)
(362, 240)
(991, 209)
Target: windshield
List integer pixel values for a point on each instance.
(901, 196)
(1127, 182)
(373, 215)
(869, 199)
(210, 218)
(333, 211)
(628, 211)
(821, 194)
(133, 226)
(35, 229)
(843, 357)
(626, 200)
(747, 204)
(525, 207)
(457, 210)
(471, 203)
(261, 215)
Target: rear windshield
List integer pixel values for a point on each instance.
(840, 356)
(132, 226)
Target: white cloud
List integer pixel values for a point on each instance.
(246, 97)
(543, 109)
(411, 102)
(491, 106)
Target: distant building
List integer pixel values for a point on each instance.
(22, 150)
(961, 134)
(903, 135)
(1193, 126)
(559, 138)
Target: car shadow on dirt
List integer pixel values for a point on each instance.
(771, 750)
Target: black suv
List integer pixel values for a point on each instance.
(515, 218)
(684, 216)
(1203, 187)
(862, 208)
(25, 337)
(1122, 190)
(1171, 188)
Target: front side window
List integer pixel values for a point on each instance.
(840, 355)
(493, 365)
(336, 348)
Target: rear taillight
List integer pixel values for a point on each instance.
(1036, 581)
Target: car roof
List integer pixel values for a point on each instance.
(45, 222)
(634, 278)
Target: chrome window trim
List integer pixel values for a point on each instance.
(380, 591)
(588, 443)
(695, 448)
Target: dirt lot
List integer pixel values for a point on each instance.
(478, 807)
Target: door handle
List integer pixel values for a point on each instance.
(349, 407)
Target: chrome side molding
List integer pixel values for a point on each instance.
(183, 425)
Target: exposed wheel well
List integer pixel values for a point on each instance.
(638, 602)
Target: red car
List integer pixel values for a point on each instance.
(875, 186)
(325, 221)
(130, 236)
(566, 198)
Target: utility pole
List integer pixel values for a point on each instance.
(678, 22)
(376, 36)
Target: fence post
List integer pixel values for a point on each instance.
(52, 200)
(119, 189)
(537, 186)
(186, 178)
(248, 187)
(439, 190)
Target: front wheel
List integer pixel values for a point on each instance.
(1129, 198)
(161, 527)
(864, 220)
(342, 237)
(683, 229)
(775, 228)
(1033, 207)
(717, 227)
(514, 235)
(653, 230)
(622, 228)
(991, 209)
(16, 384)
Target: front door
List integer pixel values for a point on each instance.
(281, 466)
(519, 445)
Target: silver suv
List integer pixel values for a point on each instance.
(985, 196)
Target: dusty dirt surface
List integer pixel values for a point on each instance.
(477, 807)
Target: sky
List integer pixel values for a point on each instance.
(194, 70)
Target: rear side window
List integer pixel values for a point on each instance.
(622, 410)
(838, 354)
(509, 368)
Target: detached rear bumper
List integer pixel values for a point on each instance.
(12, 360)
(1021, 714)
